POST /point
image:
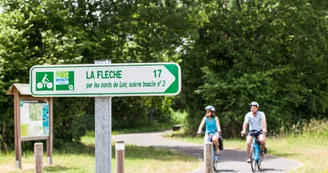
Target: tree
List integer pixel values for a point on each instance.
(270, 51)
(70, 32)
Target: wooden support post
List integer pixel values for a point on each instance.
(38, 153)
(208, 157)
(18, 142)
(120, 149)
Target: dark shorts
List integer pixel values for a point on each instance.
(255, 133)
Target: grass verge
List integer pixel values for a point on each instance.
(80, 158)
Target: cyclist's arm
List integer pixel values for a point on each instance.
(264, 123)
(201, 125)
(218, 124)
(245, 124)
(45, 79)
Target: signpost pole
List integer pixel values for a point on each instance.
(50, 137)
(103, 128)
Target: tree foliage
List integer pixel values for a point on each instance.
(231, 53)
(73, 32)
(274, 52)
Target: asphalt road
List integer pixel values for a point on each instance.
(230, 160)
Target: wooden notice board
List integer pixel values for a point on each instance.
(33, 118)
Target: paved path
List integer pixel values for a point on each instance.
(230, 160)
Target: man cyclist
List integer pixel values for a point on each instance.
(257, 121)
(212, 124)
(44, 81)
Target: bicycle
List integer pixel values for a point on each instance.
(215, 157)
(256, 157)
(45, 83)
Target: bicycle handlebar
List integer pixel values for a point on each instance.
(220, 133)
(254, 131)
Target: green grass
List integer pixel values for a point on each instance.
(310, 148)
(80, 158)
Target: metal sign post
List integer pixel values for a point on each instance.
(103, 130)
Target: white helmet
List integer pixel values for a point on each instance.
(254, 104)
(211, 108)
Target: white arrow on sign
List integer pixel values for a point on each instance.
(106, 80)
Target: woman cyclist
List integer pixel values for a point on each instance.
(212, 125)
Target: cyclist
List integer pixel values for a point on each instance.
(45, 80)
(212, 124)
(257, 121)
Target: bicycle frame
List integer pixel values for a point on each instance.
(256, 148)
(256, 152)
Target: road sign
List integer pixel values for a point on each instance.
(133, 79)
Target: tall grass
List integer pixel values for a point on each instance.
(179, 117)
(312, 127)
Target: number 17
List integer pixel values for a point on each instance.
(157, 73)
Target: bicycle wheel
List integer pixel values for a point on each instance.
(259, 164)
(259, 161)
(215, 163)
(49, 85)
(39, 85)
(253, 160)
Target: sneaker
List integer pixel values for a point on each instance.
(217, 152)
(248, 160)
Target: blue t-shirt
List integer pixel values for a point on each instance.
(210, 125)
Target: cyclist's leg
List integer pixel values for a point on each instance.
(262, 139)
(215, 140)
(249, 145)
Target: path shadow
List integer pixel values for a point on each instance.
(58, 168)
(76, 148)
(285, 154)
(271, 169)
(225, 170)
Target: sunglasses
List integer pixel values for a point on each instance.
(208, 111)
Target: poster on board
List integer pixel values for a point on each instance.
(34, 118)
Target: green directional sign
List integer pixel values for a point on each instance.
(136, 79)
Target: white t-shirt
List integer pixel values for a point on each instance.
(255, 122)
